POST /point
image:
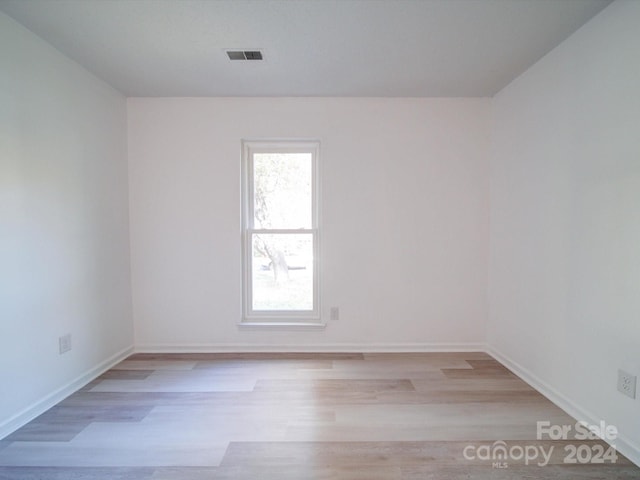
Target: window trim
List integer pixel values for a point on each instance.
(293, 318)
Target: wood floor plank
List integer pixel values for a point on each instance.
(404, 454)
(335, 386)
(476, 373)
(477, 384)
(75, 473)
(124, 374)
(62, 423)
(298, 472)
(246, 356)
(550, 472)
(153, 365)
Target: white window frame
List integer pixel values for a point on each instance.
(250, 316)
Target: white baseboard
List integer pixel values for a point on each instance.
(38, 408)
(329, 348)
(623, 445)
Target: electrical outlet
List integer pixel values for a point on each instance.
(334, 313)
(627, 384)
(64, 343)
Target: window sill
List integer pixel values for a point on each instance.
(284, 325)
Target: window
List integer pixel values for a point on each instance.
(280, 232)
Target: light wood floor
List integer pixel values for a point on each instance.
(296, 417)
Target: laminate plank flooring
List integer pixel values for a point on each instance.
(298, 416)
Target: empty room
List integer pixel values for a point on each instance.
(319, 239)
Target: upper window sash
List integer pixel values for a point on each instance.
(249, 210)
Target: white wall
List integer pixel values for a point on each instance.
(404, 219)
(64, 246)
(565, 220)
(405, 209)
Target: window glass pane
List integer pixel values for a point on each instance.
(282, 190)
(282, 271)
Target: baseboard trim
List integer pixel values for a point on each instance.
(623, 445)
(329, 348)
(38, 408)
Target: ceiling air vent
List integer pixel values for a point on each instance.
(244, 54)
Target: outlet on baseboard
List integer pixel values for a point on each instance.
(627, 383)
(334, 313)
(64, 343)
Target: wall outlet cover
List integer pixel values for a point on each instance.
(64, 343)
(627, 383)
